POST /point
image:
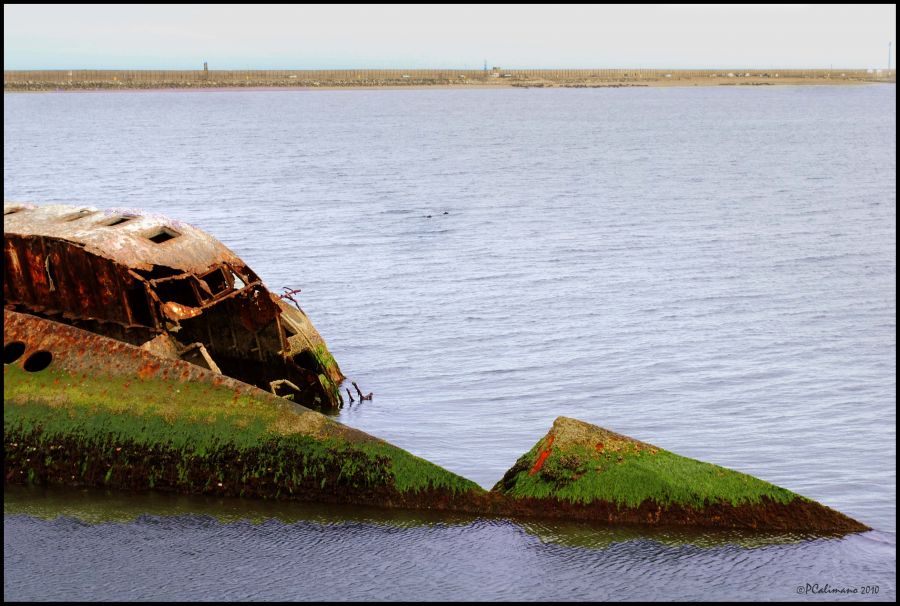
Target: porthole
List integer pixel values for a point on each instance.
(13, 351)
(38, 361)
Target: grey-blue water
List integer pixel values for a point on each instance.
(711, 270)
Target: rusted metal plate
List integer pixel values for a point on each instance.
(180, 312)
(57, 275)
(130, 276)
(138, 240)
(78, 352)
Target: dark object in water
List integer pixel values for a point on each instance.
(361, 396)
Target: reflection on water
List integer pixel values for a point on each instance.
(96, 545)
(99, 506)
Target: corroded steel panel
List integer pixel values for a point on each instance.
(130, 277)
(130, 242)
(78, 351)
(56, 276)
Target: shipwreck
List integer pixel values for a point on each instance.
(167, 287)
(142, 354)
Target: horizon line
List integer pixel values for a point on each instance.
(436, 69)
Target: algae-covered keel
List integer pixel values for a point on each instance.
(149, 280)
(579, 470)
(106, 413)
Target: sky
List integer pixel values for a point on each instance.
(234, 36)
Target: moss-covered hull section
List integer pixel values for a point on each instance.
(582, 471)
(197, 438)
(84, 410)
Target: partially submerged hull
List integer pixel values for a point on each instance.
(170, 287)
(82, 409)
(106, 413)
(582, 471)
(99, 390)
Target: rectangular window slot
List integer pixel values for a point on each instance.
(163, 234)
(118, 220)
(140, 309)
(178, 291)
(216, 281)
(79, 215)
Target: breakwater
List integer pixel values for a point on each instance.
(19, 80)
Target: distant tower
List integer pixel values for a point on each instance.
(485, 66)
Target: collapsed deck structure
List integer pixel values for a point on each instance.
(165, 286)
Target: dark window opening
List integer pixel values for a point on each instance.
(140, 308)
(178, 291)
(118, 220)
(163, 234)
(306, 360)
(216, 281)
(13, 351)
(38, 361)
(79, 215)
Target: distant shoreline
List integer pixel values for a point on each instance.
(111, 80)
(395, 87)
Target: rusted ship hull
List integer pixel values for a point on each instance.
(140, 353)
(149, 280)
(82, 409)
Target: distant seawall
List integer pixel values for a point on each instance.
(15, 80)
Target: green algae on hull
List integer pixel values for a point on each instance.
(584, 463)
(586, 471)
(200, 438)
(104, 413)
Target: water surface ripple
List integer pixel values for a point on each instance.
(708, 269)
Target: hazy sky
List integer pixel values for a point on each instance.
(526, 36)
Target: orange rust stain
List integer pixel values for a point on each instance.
(147, 370)
(542, 457)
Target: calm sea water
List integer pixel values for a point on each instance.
(711, 270)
